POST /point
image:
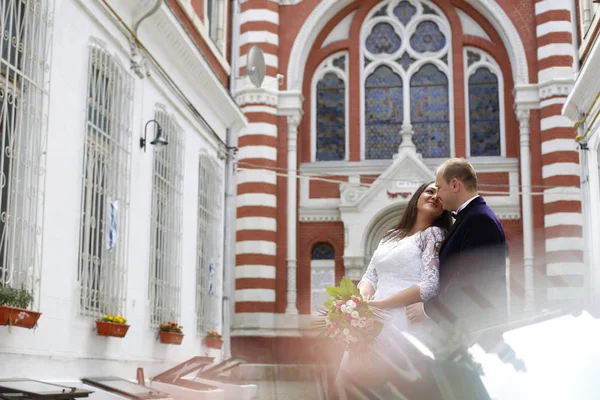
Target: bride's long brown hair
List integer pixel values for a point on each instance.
(409, 217)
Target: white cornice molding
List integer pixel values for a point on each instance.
(306, 214)
(555, 87)
(248, 96)
(177, 43)
(586, 87)
(377, 167)
(526, 96)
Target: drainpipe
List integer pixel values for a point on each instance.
(230, 193)
(585, 207)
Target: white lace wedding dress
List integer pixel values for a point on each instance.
(398, 264)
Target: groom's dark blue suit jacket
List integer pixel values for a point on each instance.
(472, 287)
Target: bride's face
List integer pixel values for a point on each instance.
(429, 203)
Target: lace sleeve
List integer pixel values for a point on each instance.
(370, 275)
(431, 240)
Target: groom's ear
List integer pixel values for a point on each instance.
(455, 183)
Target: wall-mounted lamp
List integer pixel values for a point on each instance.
(159, 140)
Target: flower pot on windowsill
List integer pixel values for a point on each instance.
(213, 343)
(20, 317)
(105, 328)
(171, 337)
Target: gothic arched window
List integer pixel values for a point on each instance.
(383, 112)
(330, 124)
(407, 81)
(485, 111)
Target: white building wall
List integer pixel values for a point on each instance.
(65, 346)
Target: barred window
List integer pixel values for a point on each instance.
(167, 223)
(322, 267)
(103, 246)
(24, 85)
(208, 269)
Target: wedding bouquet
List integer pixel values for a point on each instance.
(349, 321)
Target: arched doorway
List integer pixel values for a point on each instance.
(381, 223)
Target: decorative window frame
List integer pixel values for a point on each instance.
(489, 62)
(209, 235)
(116, 149)
(322, 265)
(324, 68)
(24, 79)
(216, 23)
(167, 184)
(405, 32)
(327, 265)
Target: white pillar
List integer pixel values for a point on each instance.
(527, 216)
(292, 215)
(586, 15)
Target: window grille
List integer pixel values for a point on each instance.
(208, 269)
(26, 28)
(322, 267)
(103, 244)
(167, 223)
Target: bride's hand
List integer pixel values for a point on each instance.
(376, 304)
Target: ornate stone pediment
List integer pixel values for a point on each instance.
(397, 183)
(367, 210)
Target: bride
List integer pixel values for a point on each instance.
(402, 271)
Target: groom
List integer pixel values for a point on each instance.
(472, 289)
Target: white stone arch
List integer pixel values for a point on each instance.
(381, 223)
(486, 61)
(327, 9)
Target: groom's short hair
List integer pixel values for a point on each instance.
(460, 169)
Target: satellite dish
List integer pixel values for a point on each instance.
(255, 67)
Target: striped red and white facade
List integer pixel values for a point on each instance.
(560, 159)
(534, 186)
(257, 227)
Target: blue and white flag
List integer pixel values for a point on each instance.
(211, 275)
(111, 236)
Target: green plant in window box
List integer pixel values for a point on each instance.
(14, 303)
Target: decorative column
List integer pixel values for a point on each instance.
(292, 215)
(527, 216)
(561, 171)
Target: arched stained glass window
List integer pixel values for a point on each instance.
(430, 112)
(383, 113)
(331, 118)
(383, 39)
(428, 38)
(406, 79)
(323, 251)
(484, 113)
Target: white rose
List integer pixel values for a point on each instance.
(351, 304)
(355, 314)
(346, 332)
(344, 309)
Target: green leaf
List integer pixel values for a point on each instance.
(347, 286)
(328, 303)
(333, 291)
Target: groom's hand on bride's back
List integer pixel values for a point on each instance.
(415, 313)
